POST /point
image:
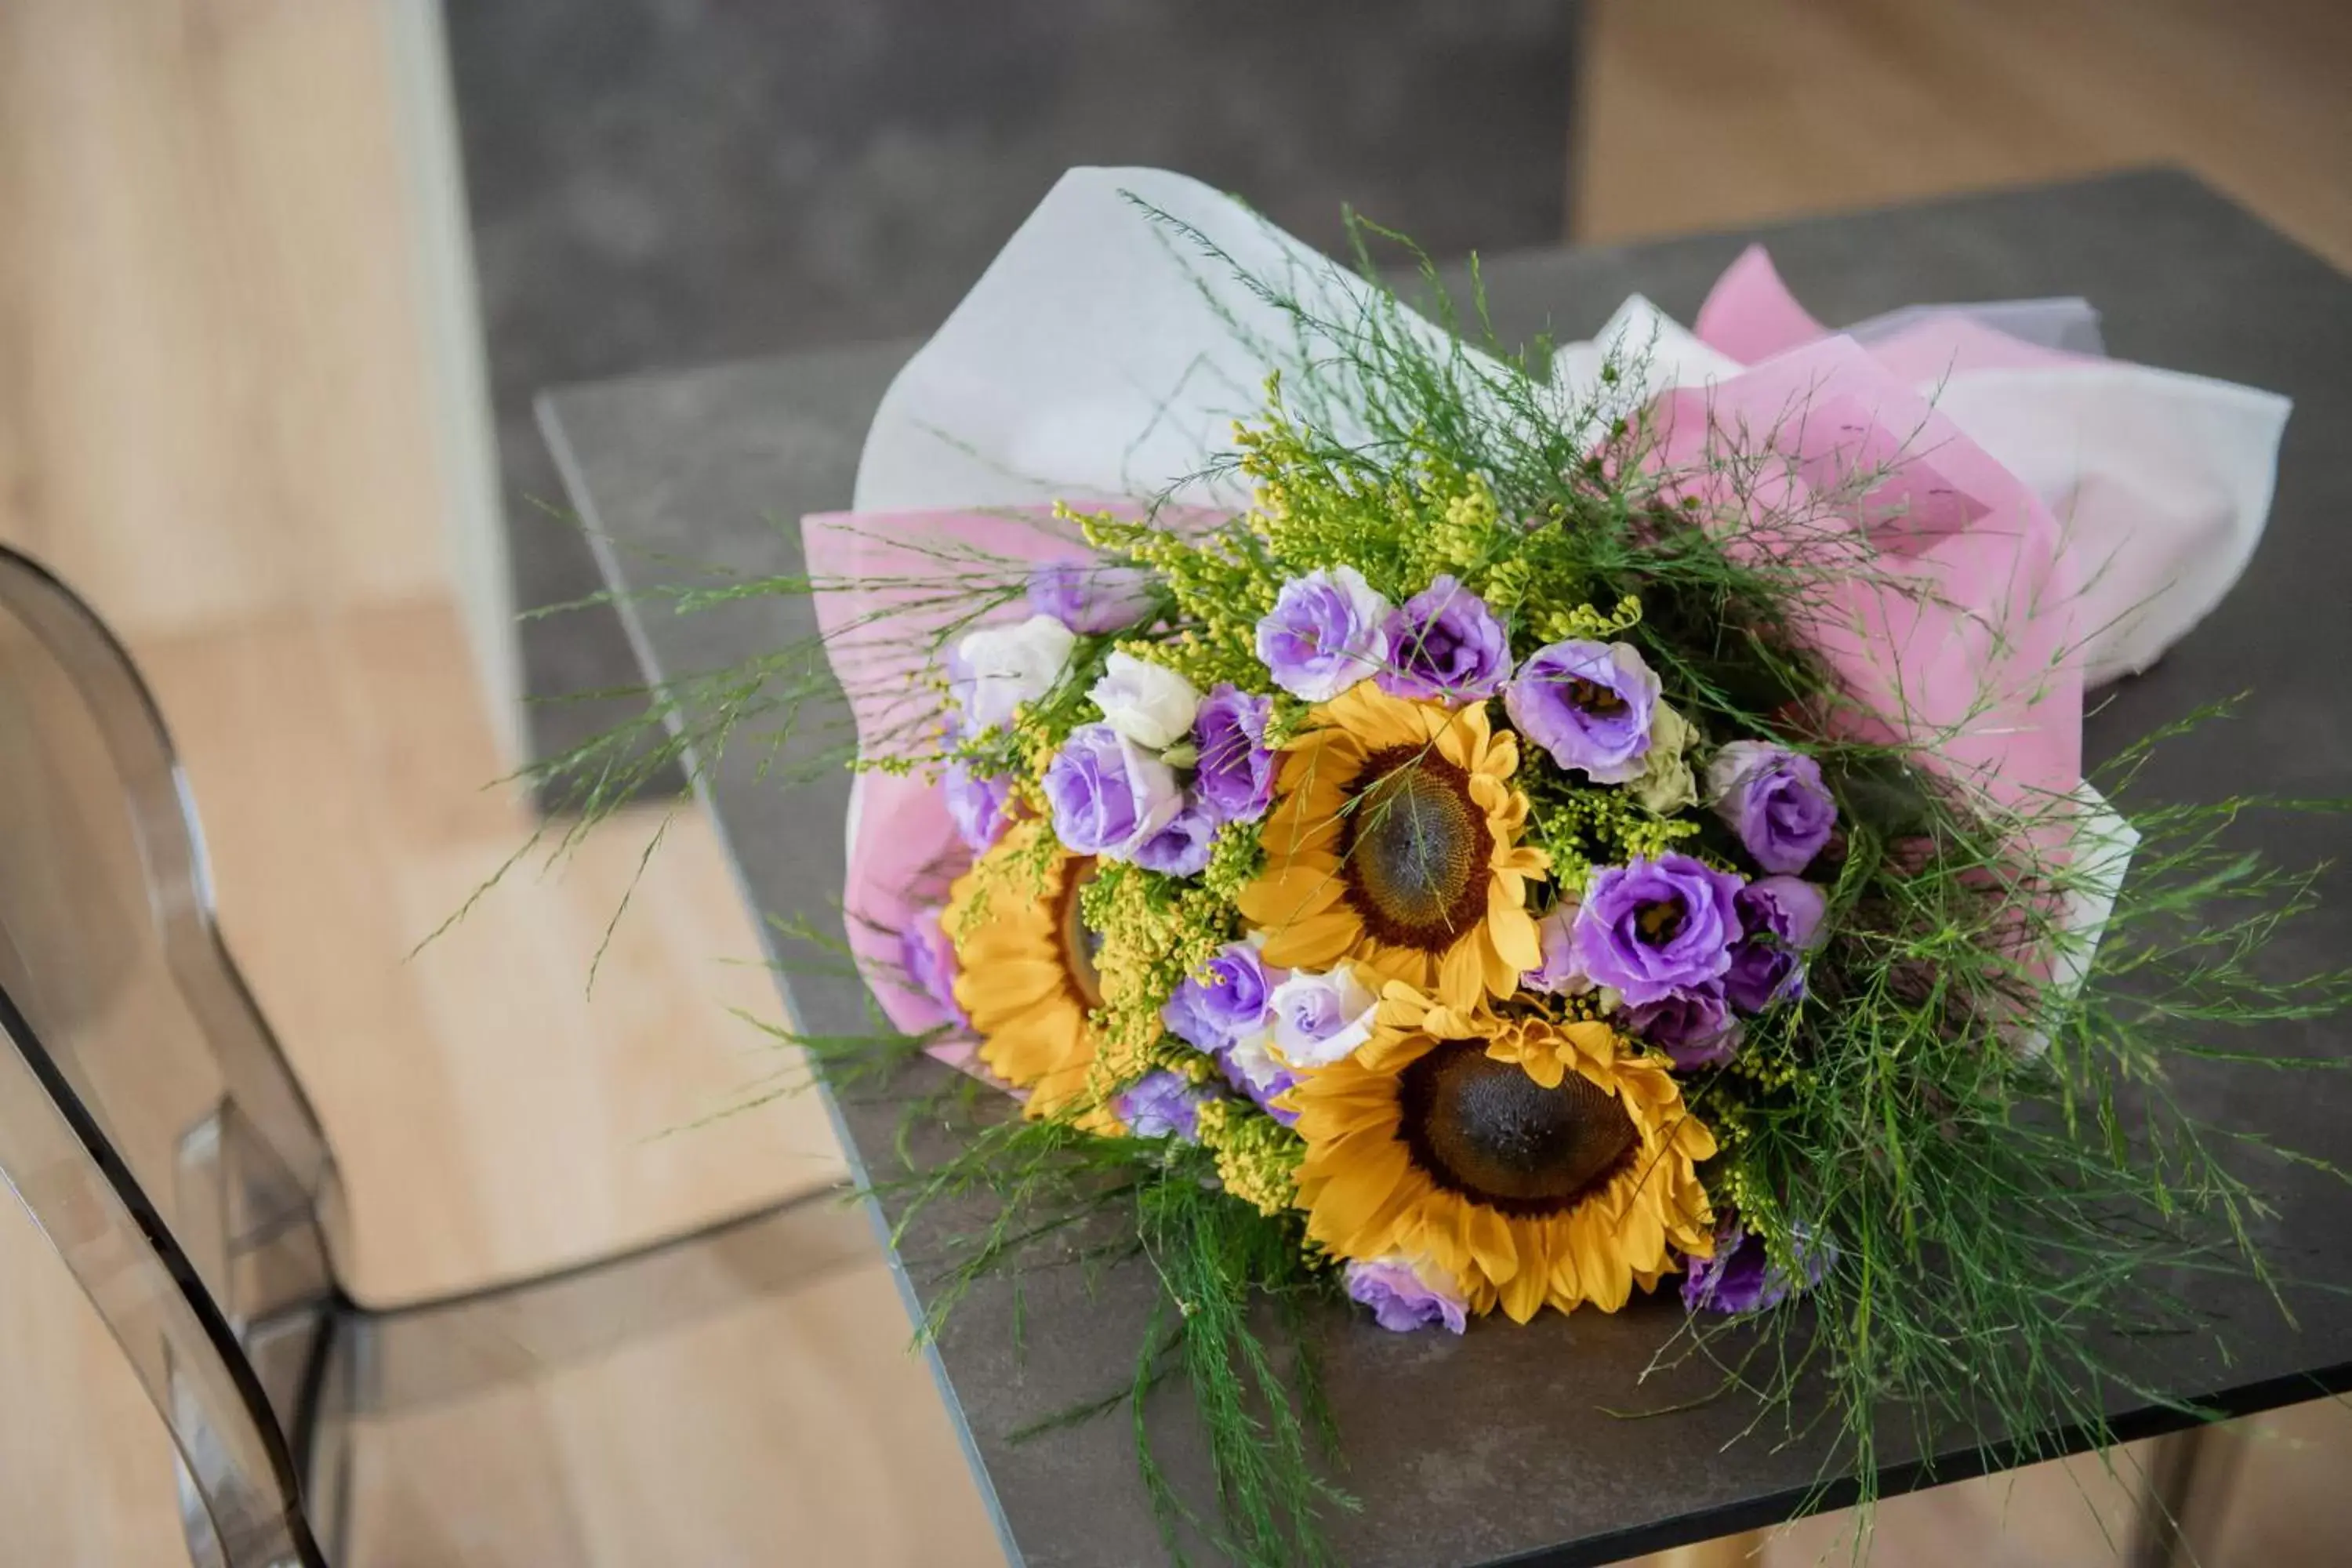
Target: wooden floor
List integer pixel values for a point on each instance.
(494, 1116)
(1702, 114)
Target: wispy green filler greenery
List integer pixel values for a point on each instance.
(1236, 1287)
(2003, 1213)
(1996, 1155)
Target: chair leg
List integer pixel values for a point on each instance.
(2190, 1476)
(1742, 1551)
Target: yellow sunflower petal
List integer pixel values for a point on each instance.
(1544, 1066)
(1462, 976)
(1316, 944)
(1600, 1270)
(1488, 1236)
(1354, 1217)
(1513, 932)
(1567, 1288)
(1286, 888)
(1503, 753)
(1640, 1238)
(1523, 1294)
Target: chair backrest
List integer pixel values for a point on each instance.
(148, 1121)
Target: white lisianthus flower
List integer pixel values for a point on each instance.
(1252, 1060)
(1319, 1019)
(1558, 973)
(1147, 703)
(997, 668)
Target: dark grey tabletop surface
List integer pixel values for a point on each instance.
(1495, 1448)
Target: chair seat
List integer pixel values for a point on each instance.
(742, 1397)
(743, 1393)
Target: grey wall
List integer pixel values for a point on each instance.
(659, 182)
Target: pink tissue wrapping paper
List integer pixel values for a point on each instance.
(903, 847)
(1958, 623)
(1750, 315)
(1977, 647)
(2160, 480)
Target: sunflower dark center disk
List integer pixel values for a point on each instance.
(1486, 1130)
(1415, 850)
(1079, 943)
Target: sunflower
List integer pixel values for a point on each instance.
(1530, 1160)
(1395, 843)
(1024, 975)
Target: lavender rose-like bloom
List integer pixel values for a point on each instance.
(1652, 928)
(1108, 796)
(1401, 1298)
(1236, 774)
(1226, 1001)
(1089, 597)
(1556, 940)
(1775, 800)
(1589, 705)
(1327, 631)
(1694, 1027)
(1319, 1019)
(1782, 918)
(1741, 1277)
(1445, 646)
(981, 804)
(1183, 848)
(1161, 1104)
(928, 959)
(1252, 1066)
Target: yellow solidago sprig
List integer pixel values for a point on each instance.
(1257, 1157)
(1584, 827)
(1151, 932)
(1554, 621)
(1400, 523)
(1219, 580)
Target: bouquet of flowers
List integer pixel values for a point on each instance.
(1477, 831)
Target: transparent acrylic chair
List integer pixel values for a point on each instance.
(152, 1130)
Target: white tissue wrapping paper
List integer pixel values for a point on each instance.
(1105, 355)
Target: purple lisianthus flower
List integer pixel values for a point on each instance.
(1090, 596)
(1445, 646)
(1236, 774)
(1694, 1027)
(1775, 800)
(1252, 1066)
(1762, 971)
(1161, 1104)
(1229, 999)
(981, 803)
(1401, 1298)
(1109, 795)
(1327, 631)
(1652, 928)
(1742, 1278)
(1181, 848)
(1588, 704)
(1782, 918)
(928, 959)
(1556, 940)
